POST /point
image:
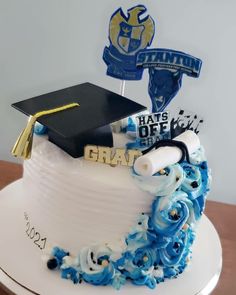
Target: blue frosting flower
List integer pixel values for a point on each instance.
(70, 269)
(169, 214)
(196, 185)
(71, 273)
(161, 185)
(137, 266)
(96, 268)
(144, 258)
(176, 252)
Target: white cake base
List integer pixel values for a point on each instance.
(23, 272)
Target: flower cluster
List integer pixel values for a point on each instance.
(159, 245)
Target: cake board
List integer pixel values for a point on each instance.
(23, 272)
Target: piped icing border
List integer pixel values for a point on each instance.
(159, 245)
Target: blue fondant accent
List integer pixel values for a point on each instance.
(100, 278)
(59, 254)
(40, 129)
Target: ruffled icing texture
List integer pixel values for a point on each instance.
(159, 245)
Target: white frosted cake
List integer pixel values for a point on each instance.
(102, 208)
(107, 225)
(81, 202)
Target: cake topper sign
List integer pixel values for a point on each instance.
(166, 68)
(153, 127)
(127, 35)
(185, 120)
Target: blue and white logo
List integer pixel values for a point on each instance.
(128, 35)
(166, 68)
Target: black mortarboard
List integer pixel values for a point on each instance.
(88, 123)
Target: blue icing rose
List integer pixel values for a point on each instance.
(196, 181)
(170, 272)
(161, 185)
(192, 183)
(70, 273)
(104, 277)
(138, 266)
(176, 252)
(95, 266)
(196, 184)
(70, 269)
(144, 258)
(59, 254)
(169, 214)
(199, 206)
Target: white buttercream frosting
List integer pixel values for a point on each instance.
(76, 203)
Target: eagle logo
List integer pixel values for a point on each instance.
(129, 34)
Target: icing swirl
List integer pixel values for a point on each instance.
(161, 185)
(169, 214)
(95, 265)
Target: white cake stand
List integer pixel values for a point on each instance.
(22, 272)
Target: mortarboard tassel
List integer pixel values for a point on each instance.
(23, 145)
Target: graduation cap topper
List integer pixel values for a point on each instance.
(75, 116)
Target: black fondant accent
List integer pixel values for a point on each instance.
(194, 184)
(52, 263)
(175, 217)
(176, 245)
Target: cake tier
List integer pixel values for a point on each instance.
(108, 224)
(76, 203)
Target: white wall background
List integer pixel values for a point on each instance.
(50, 44)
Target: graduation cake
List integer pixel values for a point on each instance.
(107, 209)
(112, 192)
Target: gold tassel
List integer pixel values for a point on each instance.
(23, 145)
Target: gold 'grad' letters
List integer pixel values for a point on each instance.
(111, 156)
